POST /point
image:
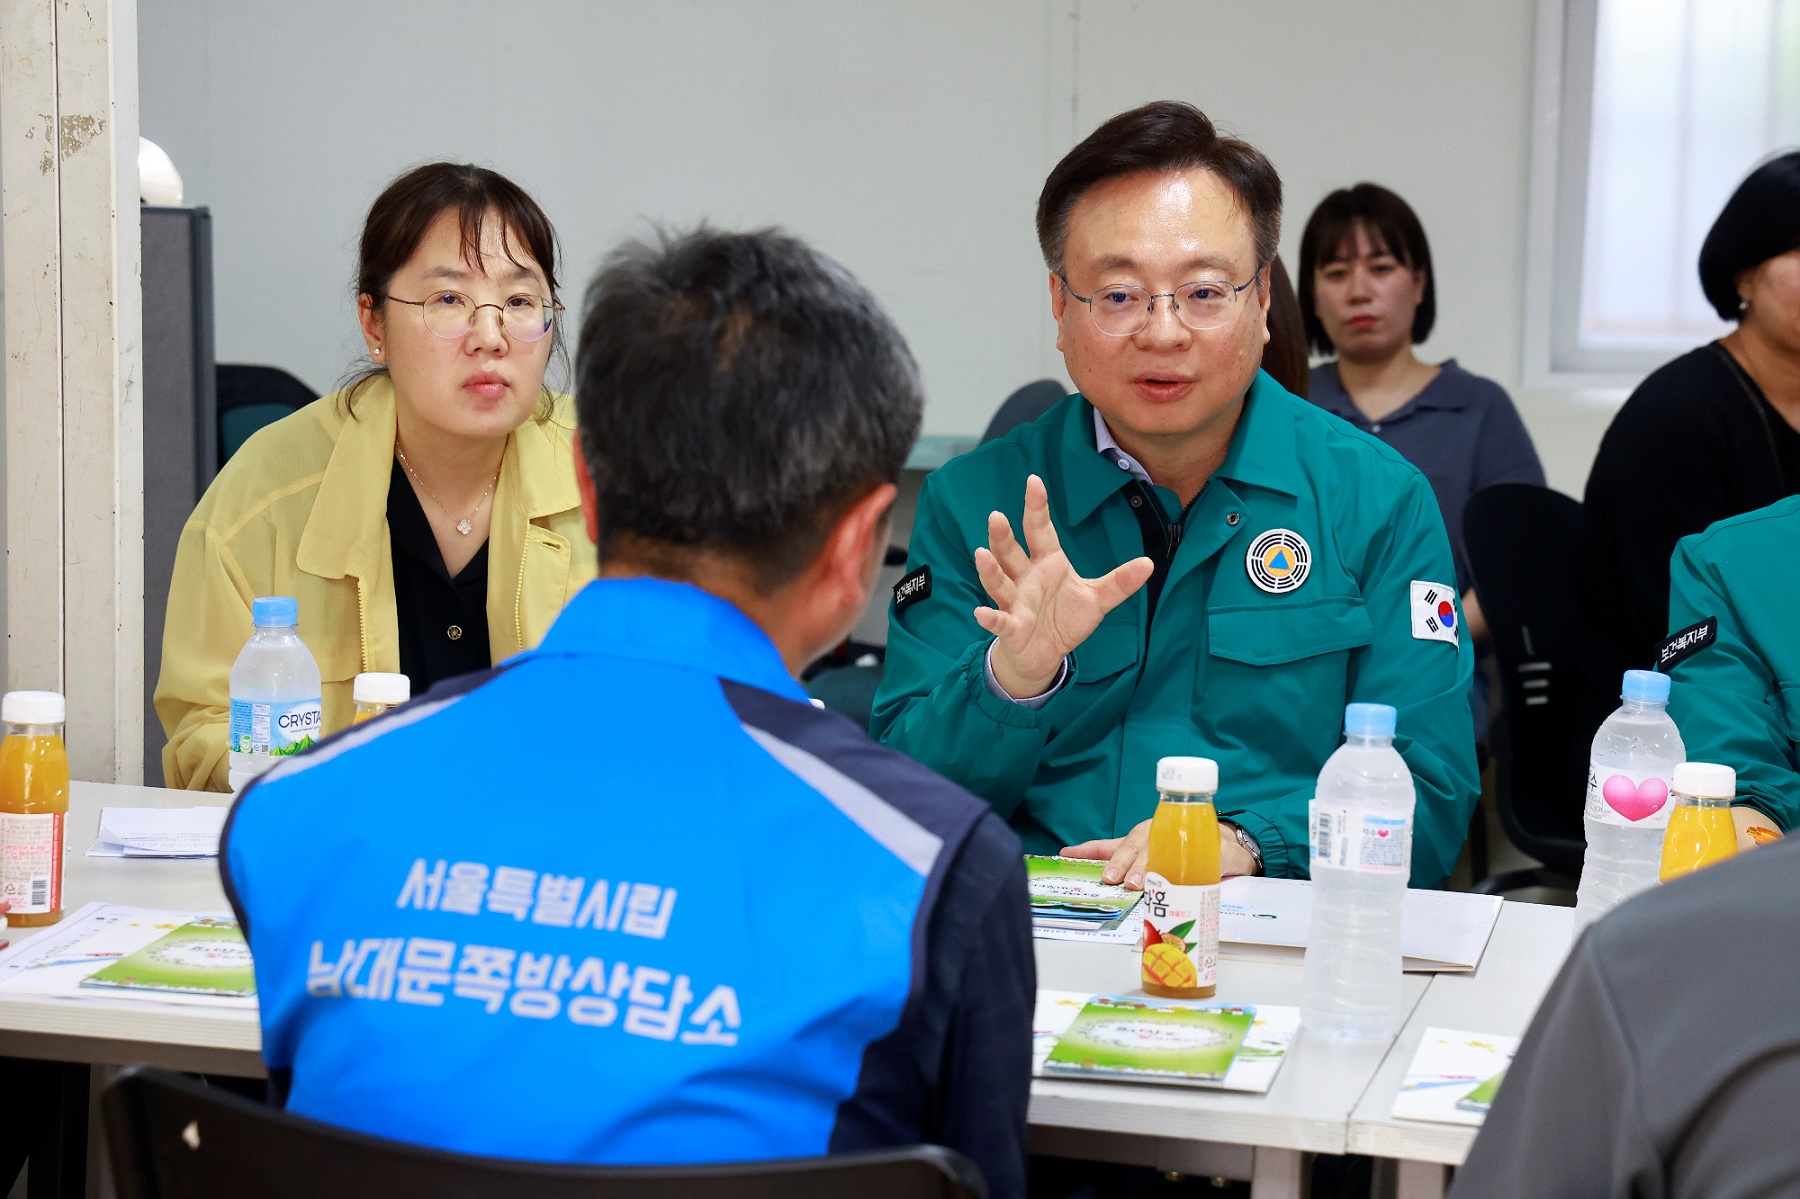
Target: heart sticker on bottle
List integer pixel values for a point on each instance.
(1635, 801)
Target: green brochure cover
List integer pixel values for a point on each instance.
(1069, 889)
(1482, 1097)
(1153, 1040)
(206, 957)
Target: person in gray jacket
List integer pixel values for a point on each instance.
(1665, 1061)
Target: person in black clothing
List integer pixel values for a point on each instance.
(1710, 435)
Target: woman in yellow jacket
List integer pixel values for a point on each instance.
(425, 518)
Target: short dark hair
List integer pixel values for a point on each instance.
(1284, 354)
(1761, 221)
(1166, 135)
(737, 391)
(1330, 236)
(404, 211)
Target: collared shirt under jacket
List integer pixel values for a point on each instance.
(301, 510)
(1312, 570)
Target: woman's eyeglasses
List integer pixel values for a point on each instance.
(450, 314)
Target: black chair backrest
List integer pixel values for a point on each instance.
(1024, 406)
(250, 397)
(170, 1137)
(1523, 544)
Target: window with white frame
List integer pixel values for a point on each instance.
(1663, 107)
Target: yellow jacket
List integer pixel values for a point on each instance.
(301, 510)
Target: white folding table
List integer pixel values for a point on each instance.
(1327, 1098)
(1529, 944)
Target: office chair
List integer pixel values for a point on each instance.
(1524, 545)
(1024, 406)
(171, 1137)
(251, 397)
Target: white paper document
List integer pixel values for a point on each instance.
(1440, 931)
(1453, 1076)
(159, 832)
(53, 962)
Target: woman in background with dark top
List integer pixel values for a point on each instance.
(1367, 295)
(1710, 435)
(1284, 354)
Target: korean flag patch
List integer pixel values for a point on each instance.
(1434, 616)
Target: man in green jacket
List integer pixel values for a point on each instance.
(1211, 566)
(1733, 656)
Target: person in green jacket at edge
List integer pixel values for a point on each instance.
(1733, 658)
(1211, 566)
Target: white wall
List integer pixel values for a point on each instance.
(907, 139)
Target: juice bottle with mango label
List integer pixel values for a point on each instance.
(1701, 830)
(1181, 884)
(34, 805)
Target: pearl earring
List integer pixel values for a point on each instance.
(377, 351)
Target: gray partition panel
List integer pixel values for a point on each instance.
(180, 417)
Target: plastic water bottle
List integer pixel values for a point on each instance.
(1361, 824)
(1629, 772)
(276, 693)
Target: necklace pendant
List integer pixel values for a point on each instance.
(464, 527)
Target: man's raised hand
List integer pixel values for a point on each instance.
(1042, 608)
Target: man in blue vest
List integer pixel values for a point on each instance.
(628, 897)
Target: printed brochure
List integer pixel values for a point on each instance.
(1067, 893)
(1204, 1043)
(1454, 1076)
(205, 957)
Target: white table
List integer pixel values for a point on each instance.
(1205, 1132)
(114, 1032)
(1327, 1098)
(1529, 944)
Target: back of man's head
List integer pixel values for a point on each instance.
(737, 392)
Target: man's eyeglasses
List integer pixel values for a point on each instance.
(450, 314)
(1121, 310)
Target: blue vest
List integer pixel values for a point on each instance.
(626, 898)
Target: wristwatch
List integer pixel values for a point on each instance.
(1248, 842)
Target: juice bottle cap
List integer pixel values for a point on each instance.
(1645, 686)
(1193, 776)
(1370, 720)
(379, 687)
(274, 611)
(1708, 780)
(32, 707)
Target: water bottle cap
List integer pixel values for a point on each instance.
(1707, 780)
(32, 707)
(1645, 686)
(1370, 720)
(274, 612)
(379, 687)
(1193, 776)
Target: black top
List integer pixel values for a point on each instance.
(1661, 1059)
(1696, 442)
(443, 621)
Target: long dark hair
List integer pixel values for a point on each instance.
(404, 211)
(1284, 356)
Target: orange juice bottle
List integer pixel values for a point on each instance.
(1700, 830)
(34, 804)
(375, 692)
(1181, 884)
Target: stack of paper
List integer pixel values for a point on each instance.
(115, 952)
(1440, 931)
(1131, 1038)
(1066, 893)
(1454, 1076)
(159, 832)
